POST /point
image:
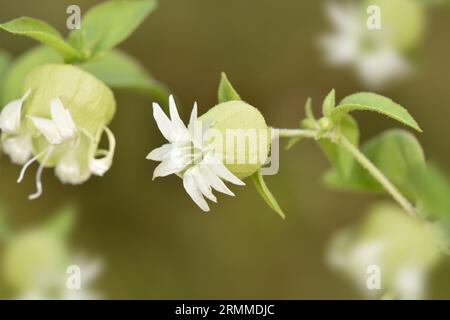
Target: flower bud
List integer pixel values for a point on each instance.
(240, 136)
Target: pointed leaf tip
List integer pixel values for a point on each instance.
(367, 101)
(265, 193)
(329, 103)
(226, 91)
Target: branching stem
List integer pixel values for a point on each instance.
(361, 158)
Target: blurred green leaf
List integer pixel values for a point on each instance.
(20, 68)
(397, 153)
(62, 222)
(433, 190)
(329, 103)
(5, 61)
(309, 109)
(44, 33)
(265, 193)
(121, 71)
(367, 101)
(109, 23)
(226, 90)
(292, 142)
(339, 157)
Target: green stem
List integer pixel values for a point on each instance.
(361, 158)
(297, 133)
(378, 175)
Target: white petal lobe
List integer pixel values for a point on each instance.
(191, 188)
(49, 129)
(160, 153)
(62, 118)
(164, 124)
(18, 148)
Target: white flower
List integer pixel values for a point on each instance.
(369, 52)
(15, 139)
(73, 147)
(189, 155)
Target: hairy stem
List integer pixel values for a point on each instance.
(378, 175)
(297, 133)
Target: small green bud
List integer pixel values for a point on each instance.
(325, 124)
(240, 133)
(308, 124)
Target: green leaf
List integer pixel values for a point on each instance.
(309, 109)
(292, 142)
(329, 103)
(44, 33)
(5, 61)
(266, 194)
(339, 157)
(63, 221)
(433, 190)
(107, 24)
(367, 101)
(226, 90)
(21, 67)
(397, 154)
(121, 71)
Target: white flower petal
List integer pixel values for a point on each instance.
(196, 129)
(344, 17)
(160, 153)
(69, 170)
(381, 66)
(214, 181)
(193, 117)
(11, 115)
(62, 118)
(191, 188)
(340, 49)
(219, 169)
(100, 166)
(49, 129)
(169, 166)
(164, 124)
(174, 116)
(202, 184)
(19, 148)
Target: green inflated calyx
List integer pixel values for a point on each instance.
(245, 141)
(90, 102)
(33, 260)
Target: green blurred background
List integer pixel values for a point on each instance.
(155, 242)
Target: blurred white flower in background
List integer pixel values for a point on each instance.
(379, 57)
(35, 263)
(404, 249)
